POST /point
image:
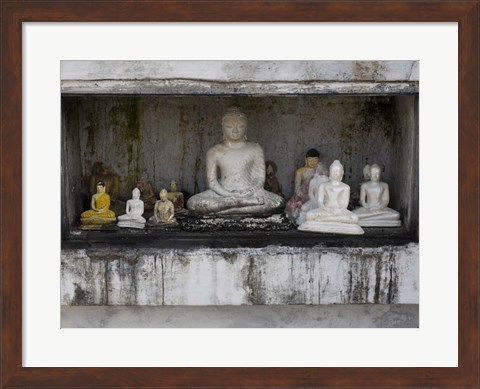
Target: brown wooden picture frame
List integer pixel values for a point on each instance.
(14, 13)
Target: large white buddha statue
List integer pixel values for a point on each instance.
(374, 198)
(332, 215)
(235, 175)
(133, 212)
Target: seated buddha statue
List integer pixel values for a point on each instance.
(133, 212)
(100, 212)
(271, 181)
(147, 194)
(235, 175)
(178, 200)
(320, 176)
(164, 212)
(374, 198)
(175, 196)
(108, 177)
(303, 175)
(332, 215)
(312, 159)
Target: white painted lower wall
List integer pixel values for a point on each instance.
(243, 276)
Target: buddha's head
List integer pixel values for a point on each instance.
(312, 158)
(163, 194)
(136, 194)
(173, 186)
(100, 187)
(336, 171)
(366, 172)
(375, 171)
(234, 125)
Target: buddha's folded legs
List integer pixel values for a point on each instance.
(139, 219)
(322, 215)
(384, 214)
(209, 202)
(98, 215)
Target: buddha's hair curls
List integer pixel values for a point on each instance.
(336, 163)
(234, 111)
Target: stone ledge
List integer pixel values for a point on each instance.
(273, 316)
(152, 239)
(239, 77)
(189, 87)
(240, 276)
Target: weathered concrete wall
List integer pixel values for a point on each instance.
(406, 161)
(271, 275)
(169, 137)
(239, 77)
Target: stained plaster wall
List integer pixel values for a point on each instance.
(243, 276)
(168, 136)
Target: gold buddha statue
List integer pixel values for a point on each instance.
(100, 212)
(108, 177)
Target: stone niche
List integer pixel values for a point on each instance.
(162, 116)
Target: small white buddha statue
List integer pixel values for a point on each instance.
(332, 215)
(164, 212)
(238, 189)
(374, 198)
(133, 212)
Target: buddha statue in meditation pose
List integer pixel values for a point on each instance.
(147, 194)
(100, 212)
(374, 198)
(178, 200)
(303, 175)
(320, 176)
(108, 177)
(312, 159)
(175, 196)
(332, 215)
(271, 181)
(164, 213)
(235, 175)
(133, 212)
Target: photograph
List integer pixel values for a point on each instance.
(240, 194)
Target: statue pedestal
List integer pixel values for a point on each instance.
(275, 222)
(162, 226)
(102, 225)
(131, 224)
(331, 228)
(379, 223)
